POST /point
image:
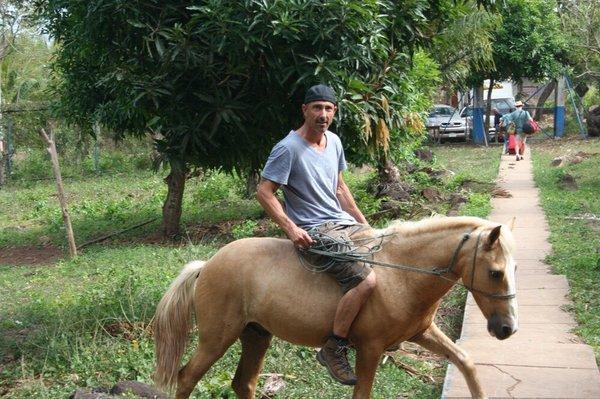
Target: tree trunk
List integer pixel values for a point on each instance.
(391, 187)
(252, 181)
(2, 147)
(537, 115)
(488, 110)
(81, 145)
(388, 172)
(2, 163)
(172, 206)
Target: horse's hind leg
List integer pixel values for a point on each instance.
(436, 341)
(255, 342)
(210, 349)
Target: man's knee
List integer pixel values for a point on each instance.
(369, 283)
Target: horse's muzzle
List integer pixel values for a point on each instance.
(501, 327)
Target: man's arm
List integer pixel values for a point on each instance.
(347, 201)
(265, 194)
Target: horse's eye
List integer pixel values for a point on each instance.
(496, 274)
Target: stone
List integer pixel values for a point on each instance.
(575, 160)
(140, 389)
(441, 174)
(273, 385)
(44, 241)
(424, 155)
(392, 209)
(456, 201)
(411, 167)
(593, 121)
(568, 182)
(499, 192)
(431, 194)
(558, 161)
(397, 190)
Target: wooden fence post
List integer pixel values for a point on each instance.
(49, 140)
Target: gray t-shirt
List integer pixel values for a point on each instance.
(309, 179)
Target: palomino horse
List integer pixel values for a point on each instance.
(255, 288)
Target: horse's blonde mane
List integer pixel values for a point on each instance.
(438, 223)
(435, 224)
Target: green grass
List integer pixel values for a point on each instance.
(82, 322)
(474, 167)
(470, 163)
(60, 325)
(107, 203)
(575, 243)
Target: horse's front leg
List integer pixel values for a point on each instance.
(436, 341)
(367, 360)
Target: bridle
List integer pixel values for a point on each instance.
(473, 268)
(323, 248)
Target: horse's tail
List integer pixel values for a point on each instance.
(172, 323)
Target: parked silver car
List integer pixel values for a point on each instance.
(503, 105)
(445, 121)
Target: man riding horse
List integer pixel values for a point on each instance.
(307, 165)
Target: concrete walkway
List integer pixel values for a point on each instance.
(543, 359)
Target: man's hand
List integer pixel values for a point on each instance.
(266, 196)
(300, 237)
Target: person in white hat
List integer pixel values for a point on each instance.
(518, 118)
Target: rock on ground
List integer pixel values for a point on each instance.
(593, 121)
(568, 182)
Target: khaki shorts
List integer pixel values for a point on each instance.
(347, 274)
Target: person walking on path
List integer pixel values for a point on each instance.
(497, 118)
(518, 118)
(307, 165)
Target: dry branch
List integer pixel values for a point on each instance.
(106, 236)
(409, 369)
(49, 140)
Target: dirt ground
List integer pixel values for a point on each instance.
(30, 255)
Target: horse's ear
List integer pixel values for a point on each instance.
(492, 237)
(511, 223)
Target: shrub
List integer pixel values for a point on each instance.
(244, 229)
(218, 186)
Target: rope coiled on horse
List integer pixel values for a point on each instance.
(335, 250)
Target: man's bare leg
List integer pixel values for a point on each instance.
(350, 305)
(333, 354)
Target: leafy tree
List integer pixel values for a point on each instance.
(13, 14)
(216, 83)
(24, 77)
(464, 44)
(529, 43)
(580, 23)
